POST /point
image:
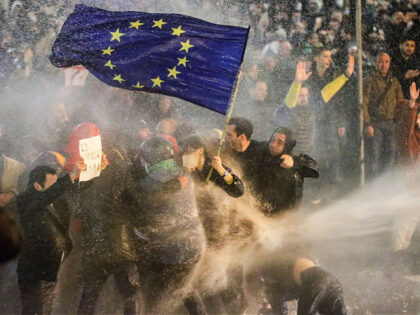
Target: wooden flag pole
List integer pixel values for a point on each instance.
(229, 114)
(360, 88)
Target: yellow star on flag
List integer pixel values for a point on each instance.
(118, 78)
(186, 46)
(159, 23)
(116, 35)
(136, 24)
(109, 64)
(183, 61)
(177, 31)
(157, 81)
(138, 85)
(107, 51)
(173, 72)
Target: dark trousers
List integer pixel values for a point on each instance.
(230, 300)
(161, 281)
(95, 278)
(380, 149)
(37, 297)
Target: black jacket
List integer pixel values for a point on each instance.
(44, 237)
(281, 189)
(250, 161)
(168, 227)
(106, 212)
(400, 66)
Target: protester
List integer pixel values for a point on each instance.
(407, 129)
(405, 66)
(107, 228)
(296, 113)
(245, 151)
(287, 277)
(315, 108)
(170, 235)
(195, 159)
(43, 246)
(382, 93)
(281, 176)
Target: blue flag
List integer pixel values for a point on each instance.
(170, 54)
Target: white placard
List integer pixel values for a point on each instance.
(90, 150)
(75, 76)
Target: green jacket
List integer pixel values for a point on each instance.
(373, 88)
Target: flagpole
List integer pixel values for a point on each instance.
(360, 88)
(228, 116)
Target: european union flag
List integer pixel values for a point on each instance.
(170, 54)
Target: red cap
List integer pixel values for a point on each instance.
(82, 131)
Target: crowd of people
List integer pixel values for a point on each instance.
(294, 140)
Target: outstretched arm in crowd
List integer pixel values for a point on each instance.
(216, 162)
(300, 77)
(333, 87)
(56, 190)
(406, 118)
(414, 95)
(226, 179)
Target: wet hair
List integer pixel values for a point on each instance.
(167, 126)
(317, 51)
(39, 175)
(242, 126)
(155, 150)
(10, 237)
(290, 141)
(406, 38)
(382, 52)
(194, 142)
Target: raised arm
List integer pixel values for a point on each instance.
(300, 77)
(333, 87)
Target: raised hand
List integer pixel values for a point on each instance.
(78, 167)
(414, 92)
(301, 75)
(350, 66)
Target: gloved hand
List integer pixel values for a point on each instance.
(320, 292)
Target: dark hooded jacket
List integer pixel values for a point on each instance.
(106, 216)
(168, 227)
(44, 240)
(281, 189)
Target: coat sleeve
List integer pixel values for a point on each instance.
(235, 189)
(307, 166)
(292, 95)
(333, 87)
(55, 191)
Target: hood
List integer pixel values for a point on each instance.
(290, 140)
(82, 131)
